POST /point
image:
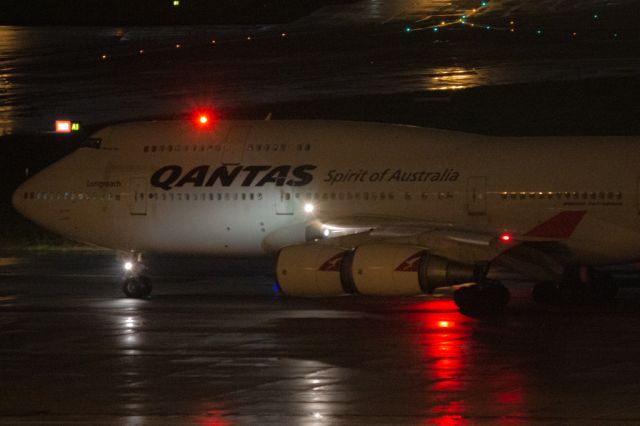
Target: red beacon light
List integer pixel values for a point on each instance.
(506, 237)
(203, 119)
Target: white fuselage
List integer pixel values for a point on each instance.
(245, 188)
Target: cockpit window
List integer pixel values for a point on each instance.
(94, 143)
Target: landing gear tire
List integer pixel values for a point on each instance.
(137, 287)
(484, 298)
(547, 292)
(593, 287)
(602, 287)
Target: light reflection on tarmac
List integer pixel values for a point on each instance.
(216, 346)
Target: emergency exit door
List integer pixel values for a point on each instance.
(233, 149)
(138, 188)
(284, 203)
(477, 195)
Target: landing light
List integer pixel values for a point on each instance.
(128, 266)
(308, 207)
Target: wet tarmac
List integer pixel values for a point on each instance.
(217, 346)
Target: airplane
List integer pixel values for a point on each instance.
(352, 207)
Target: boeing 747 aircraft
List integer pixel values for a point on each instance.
(353, 208)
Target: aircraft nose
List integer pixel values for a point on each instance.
(18, 199)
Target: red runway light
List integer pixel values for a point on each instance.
(445, 324)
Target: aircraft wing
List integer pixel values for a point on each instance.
(538, 253)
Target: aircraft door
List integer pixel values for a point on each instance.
(638, 195)
(138, 188)
(233, 149)
(477, 195)
(284, 203)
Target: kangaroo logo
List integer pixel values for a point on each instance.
(411, 263)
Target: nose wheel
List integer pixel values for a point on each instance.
(137, 287)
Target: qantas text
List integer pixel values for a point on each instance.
(173, 176)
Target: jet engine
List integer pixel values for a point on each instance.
(312, 270)
(371, 269)
(404, 270)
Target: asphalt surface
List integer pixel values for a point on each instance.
(216, 345)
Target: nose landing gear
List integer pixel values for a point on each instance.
(136, 284)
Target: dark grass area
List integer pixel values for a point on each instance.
(585, 107)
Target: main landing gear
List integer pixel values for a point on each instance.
(487, 296)
(579, 285)
(136, 284)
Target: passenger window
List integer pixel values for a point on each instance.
(93, 143)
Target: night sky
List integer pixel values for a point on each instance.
(155, 12)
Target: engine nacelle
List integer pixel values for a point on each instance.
(371, 269)
(404, 270)
(313, 270)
